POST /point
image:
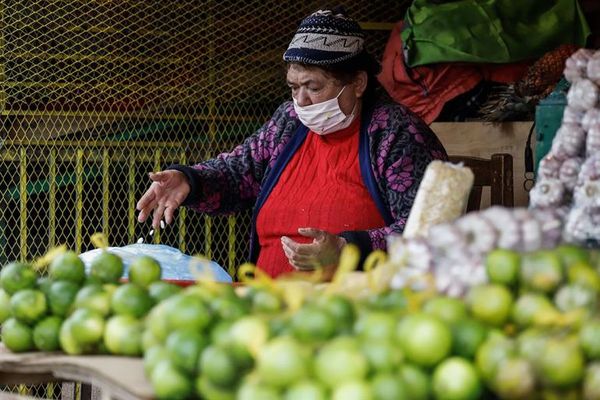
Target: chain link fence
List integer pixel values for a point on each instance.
(94, 94)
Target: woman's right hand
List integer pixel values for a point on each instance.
(168, 190)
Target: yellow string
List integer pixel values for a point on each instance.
(41, 263)
(373, 261)
(245, 272)
(99, 240)
(349, 258)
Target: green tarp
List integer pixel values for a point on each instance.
(490, 31)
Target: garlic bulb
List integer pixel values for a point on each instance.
(593, 69)
(576, 65)
(583, 95)
(569, 171)
(573, 116)
(570, 139)
(547, 192)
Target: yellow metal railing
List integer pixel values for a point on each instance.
(93, 164)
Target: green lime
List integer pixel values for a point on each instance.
(28, 305)
(200, 292)
(311, 324)
(107, 267)
(490, 304)
(354, 390)
(67, 267)
(67, 341)
(456, 379)
(92, 280)
(170, 383)
(61, 296)
(591, 382)
(467, 335)
(264, 301)
(17, 276)
(131, 299)
(185, 347)
(149, 340)
(255, 391)
(123, 335)
(530, 307)
(87, 326)
(531, 344)
(207, 390)
(424, 339)
(46, 333)
(589, 339)
(383, 356)
(340, 361)
(229, 308)
(306, 390)
(144, 270)
(4, 306)
(162, 290)
(502, 266)
(448, 309)
(247, 335)
(188, 312)
(584, 275)
(515, 379)
(109, 288)
(219, 366)
(541, 271)
(388, 386)
(392, 301)
(491, 354)
(152, 356)
(17, 336)
(156, 320)
(574, 297)
(342, 310)
(375, 325)
(43, 283)
(561, 364)
(416, 381)
(571, 254)
(282, 362)
(94, 298)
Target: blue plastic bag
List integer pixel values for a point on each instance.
(175, 264)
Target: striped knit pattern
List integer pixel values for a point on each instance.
(325, 38)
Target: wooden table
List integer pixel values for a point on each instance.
(116, 377)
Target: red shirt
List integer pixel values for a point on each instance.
(321, 187)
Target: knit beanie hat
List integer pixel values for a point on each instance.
(325, 37)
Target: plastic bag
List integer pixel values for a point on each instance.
(175, 264)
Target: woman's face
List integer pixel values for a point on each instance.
(314, 85)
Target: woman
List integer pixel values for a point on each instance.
(331, 167)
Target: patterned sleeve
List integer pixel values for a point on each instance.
(402, 146)
(231, 181)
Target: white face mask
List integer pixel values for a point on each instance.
(325, 117)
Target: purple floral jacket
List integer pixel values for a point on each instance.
(394, 149)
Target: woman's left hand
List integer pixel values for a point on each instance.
(324, 251)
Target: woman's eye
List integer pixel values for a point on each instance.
(314, 90)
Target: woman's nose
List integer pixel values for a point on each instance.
(302, 98)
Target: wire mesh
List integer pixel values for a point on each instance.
(94, 94)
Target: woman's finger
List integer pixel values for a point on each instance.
(159, 176)
(300, 248)
(146, 199)
(158, 214)
(312, 232)
(169, 214)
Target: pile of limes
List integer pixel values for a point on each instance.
(532, 332)
(79, 313)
